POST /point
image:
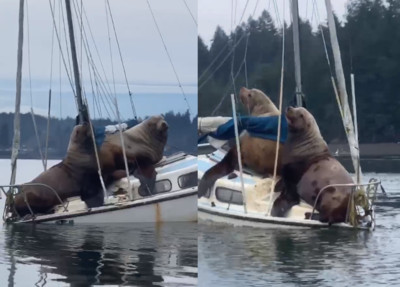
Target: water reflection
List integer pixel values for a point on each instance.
(277, 255)
(140, 254)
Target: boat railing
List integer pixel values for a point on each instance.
(369, 190)
(13, 190)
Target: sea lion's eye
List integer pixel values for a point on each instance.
(249, 95)
(301, 115)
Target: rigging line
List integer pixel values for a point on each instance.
(111, 56)
(59, 58)
(233, 53)
(49, 107)
(95, 70)
(226, 93)
(89, 55)
(60, 48)
(91, 85)
(278, 18)
(81, 70)
(169, 57)
(95, 46)
(280, 117)
(30, 89)
(66, 42)
(335, 90)
(315, 10)
(213, 62)
(52, 52)
(122, 61)
(244, 10)
(190, 12)
(222, 62)
(220, 53)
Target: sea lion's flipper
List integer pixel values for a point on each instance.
(224, 167)
(285, 201)
(96, 200)
(147, 177)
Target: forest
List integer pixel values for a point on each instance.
(182, 134)
(369, 39)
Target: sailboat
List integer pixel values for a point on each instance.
(244, 198)
(172, 199)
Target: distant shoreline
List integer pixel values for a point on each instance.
(367, 151)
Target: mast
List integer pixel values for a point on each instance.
(347, 118)
(17, 132)
(81, 107)
(296, 46)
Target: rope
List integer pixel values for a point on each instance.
(49, 106)
(103, 186)
(122, 61)
(123, 147)
(316, 12)
(60, 47)
(244, 62)
(190, 12)
(110, 47)
(169, 57)
(279, 119)
(30, 90)
(96, 74)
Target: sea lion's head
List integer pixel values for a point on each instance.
(158, 128)
(257, 102)
(301, 121)
(81, 137)
(80, 148)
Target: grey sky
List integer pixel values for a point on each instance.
(147, 65)
(212, 13)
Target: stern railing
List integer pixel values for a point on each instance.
(369, 189)
(13, 190)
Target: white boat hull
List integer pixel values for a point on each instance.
(235, 218)
(172, 207)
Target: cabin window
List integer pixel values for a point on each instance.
(188, 180)
(229, 195)
(162, 186)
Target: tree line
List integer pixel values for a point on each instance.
(369, 39)
(182, 134)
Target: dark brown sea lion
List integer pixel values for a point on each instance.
(68, 178)
(257, 154)
(144, 147)
(307, 167)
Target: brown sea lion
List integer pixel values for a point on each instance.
(307, 167)
(257, 154)
(67, 178)
(144, 147)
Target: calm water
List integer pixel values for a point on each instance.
(269, 257)
(135, 255)
(166, 255)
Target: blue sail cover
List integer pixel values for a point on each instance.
(100, 132)
(260, 127)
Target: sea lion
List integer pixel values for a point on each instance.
(144, 147)
(257, 154)
(307, 167)
(67, 178)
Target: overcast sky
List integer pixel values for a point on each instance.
(212, 13)
(148, 69)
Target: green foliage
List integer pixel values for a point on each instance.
(369, 39)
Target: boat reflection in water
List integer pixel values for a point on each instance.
(138, 254)
(282, 256)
